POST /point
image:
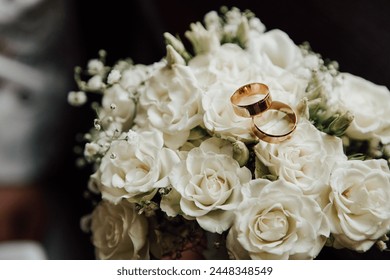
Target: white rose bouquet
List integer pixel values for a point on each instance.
(180, 174)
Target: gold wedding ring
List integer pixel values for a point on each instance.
(291, 117)
(251, 100)
(254, 100)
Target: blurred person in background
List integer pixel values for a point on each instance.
(37, 56)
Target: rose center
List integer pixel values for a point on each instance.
(214, 184)
(137, 173)
(346, 193)
(212, 188)
(272, 226)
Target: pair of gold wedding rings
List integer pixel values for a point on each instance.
(253, 101)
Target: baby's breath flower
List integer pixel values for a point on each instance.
(91, 149)
(113, 77)
(132, 136)
(95, 66)
(95, 83)
(77, 98)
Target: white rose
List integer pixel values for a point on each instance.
(219, 117)
(118, 232)
(228, 64)
(220, 74)
(359, 209)
(369, 103)
(306, 159)
(277, 49)
(276, 221)
(281, 59)
(134, 168)
(118, 108)
(209, 182)
(171, 100)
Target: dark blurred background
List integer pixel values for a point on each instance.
(356, 33)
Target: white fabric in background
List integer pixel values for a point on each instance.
(22, 250)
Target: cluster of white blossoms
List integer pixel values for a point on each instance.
(167, 144)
